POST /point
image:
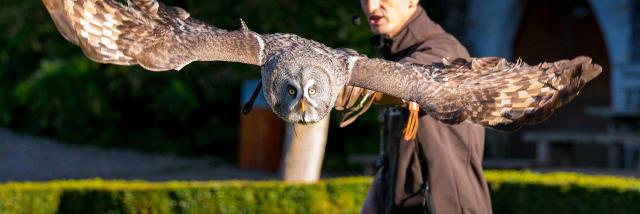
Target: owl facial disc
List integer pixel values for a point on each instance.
(299, 87)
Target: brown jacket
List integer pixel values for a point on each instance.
(453, 153)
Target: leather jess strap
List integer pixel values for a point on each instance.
(411, 128)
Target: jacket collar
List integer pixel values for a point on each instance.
(419, 28)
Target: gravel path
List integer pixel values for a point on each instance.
(24, 157)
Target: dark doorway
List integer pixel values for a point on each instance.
(553, 30)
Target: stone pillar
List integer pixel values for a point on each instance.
(542, 155)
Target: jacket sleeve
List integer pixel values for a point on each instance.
(435, 48)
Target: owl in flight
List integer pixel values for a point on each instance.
(302, 78)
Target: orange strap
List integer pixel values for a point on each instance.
(411, 129)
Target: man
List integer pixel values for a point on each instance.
(440, 169)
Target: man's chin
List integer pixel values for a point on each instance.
(379, 30)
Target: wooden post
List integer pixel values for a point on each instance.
(303, 151)
(261, 133)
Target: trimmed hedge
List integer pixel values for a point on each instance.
(512, 192)
(344, 195)
(528, 192)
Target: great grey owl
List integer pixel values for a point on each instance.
(302, 78)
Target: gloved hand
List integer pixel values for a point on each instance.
(354, 101)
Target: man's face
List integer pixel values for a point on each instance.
(387, 17)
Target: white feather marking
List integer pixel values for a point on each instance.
(351, 61)
(83, 23)
(84, 34)
(109, 18)
(89, 28)
(69, 7)
(261, 44)
(108, 43)
(545, 89)
(112, 54)
(107, 24)
(523, 94)
(87, 15)
(505, 102)
(104, 51)
(107, 32)
(89, 5)
(529, 100)
(105, 41)
(121, 55)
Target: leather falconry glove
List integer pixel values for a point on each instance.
(355, 101)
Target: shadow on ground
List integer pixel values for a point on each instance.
(28, 158)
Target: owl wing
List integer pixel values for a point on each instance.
(488, 91)
(148, 33)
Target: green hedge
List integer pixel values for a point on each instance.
(518, 192)
(512, 192)
(343, 195)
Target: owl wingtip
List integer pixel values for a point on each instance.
(589, 70)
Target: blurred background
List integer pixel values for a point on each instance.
(63, 116)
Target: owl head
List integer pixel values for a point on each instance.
(299, 87)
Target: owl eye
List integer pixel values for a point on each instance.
(312, 91)
(292, 91)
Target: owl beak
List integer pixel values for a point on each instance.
(302, 105)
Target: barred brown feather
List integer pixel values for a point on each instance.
(148, 33)
(488, 91)
(516, 94)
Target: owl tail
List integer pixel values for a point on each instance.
(514, 94)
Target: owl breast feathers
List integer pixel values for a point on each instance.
(302, 78)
